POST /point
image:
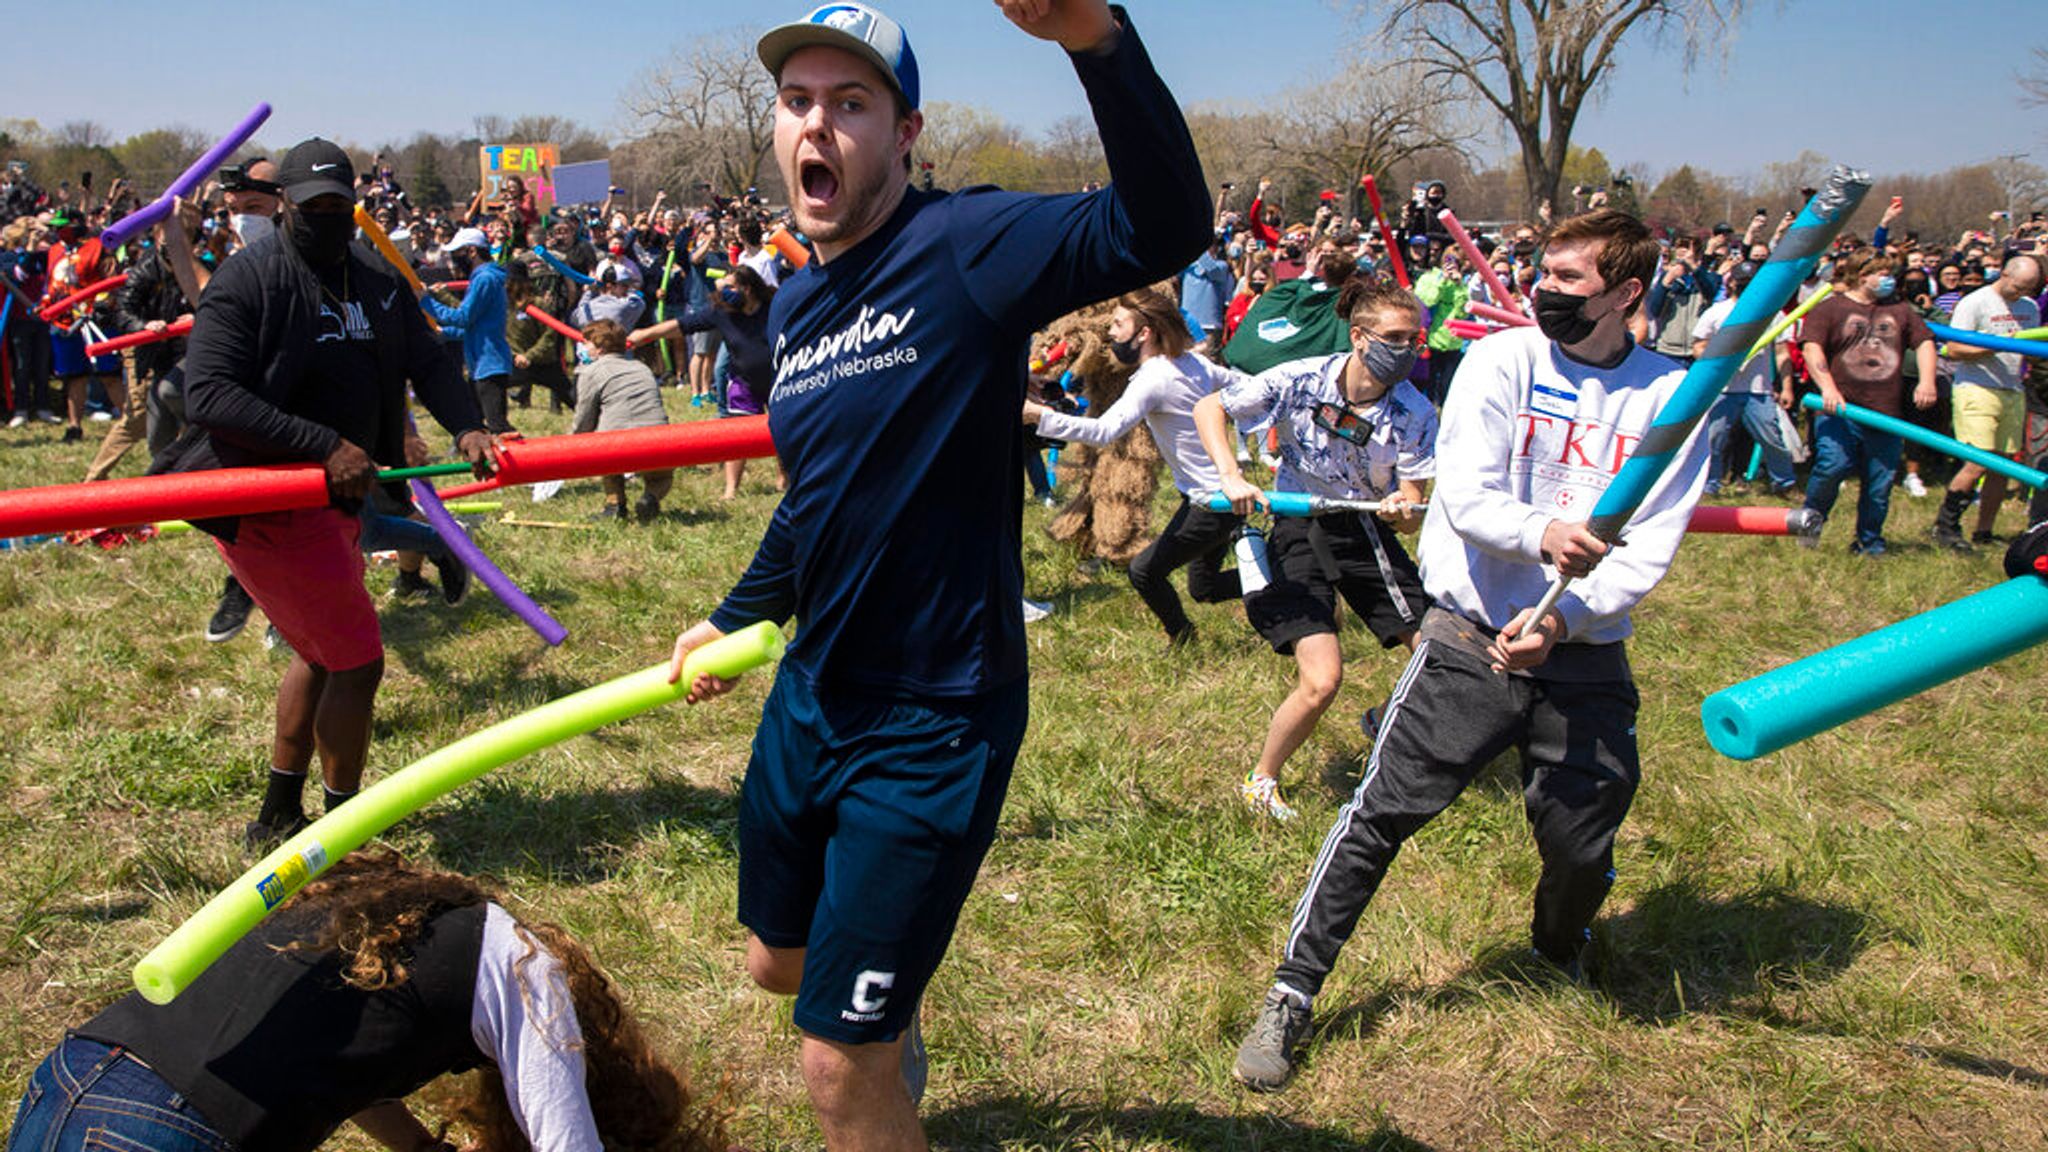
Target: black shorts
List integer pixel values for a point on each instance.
(1313, 560)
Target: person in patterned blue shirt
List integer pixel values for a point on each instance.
(1351, 428)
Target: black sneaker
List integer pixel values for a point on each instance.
(410, 586)
(73, 433)
(609, 512)
(1266, 1058)
(1987, 538)
(646, 510)
(454, 579)
(231, 615)
(258, 837)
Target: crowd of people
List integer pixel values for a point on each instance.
(1450, 466)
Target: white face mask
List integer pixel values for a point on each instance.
(252, 228)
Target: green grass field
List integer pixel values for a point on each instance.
(1840, 946)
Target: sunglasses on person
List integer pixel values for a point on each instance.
(1343, 423)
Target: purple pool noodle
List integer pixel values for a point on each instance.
(128, 227)
(493, 577)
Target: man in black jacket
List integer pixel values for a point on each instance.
(301, 350)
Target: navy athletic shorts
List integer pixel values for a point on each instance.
(863, 821)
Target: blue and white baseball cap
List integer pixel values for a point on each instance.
(855, 28)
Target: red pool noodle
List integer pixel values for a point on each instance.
(1468, 330)
(55, 308)
(1479, 261)
(1499, 315)
(1763, 521)
(1379, 216)
(136, 339)
(148, 499)
(631, 450)
(543, 318)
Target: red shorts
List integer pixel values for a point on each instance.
(304, 570)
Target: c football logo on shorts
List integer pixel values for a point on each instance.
(867, 1001)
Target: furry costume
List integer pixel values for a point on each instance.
(1109, 510)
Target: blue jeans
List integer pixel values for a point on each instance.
(86, 1091)
(1758, 415)
(383, 533)
(1840, 448)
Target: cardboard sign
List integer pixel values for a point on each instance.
(532, 163)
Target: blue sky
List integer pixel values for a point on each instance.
(1818, 74)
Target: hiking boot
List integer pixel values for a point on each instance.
(410, 586)
(454, 576)
(1266, 1058)
(1948, 523)
(231, 615)
(1261, 794)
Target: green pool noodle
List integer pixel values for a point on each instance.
(475, 507)
(1810, 696)
(172, 965)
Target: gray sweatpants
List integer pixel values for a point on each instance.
(1449, 716)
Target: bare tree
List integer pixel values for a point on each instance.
(1072, 153)
(1365, 120)
(2034, 85)
(1537, 61)
(573, 142)
(957, 137)
(707, 113)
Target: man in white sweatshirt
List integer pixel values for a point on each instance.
(1536, 428)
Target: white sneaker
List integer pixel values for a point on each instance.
(1261, 794)
(101, 417)
(1913, 486)
(48, 417)
(1036, 610)
(20, 420)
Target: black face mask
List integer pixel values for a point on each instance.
(1562, 316)
(1125, 351)
(322, 239)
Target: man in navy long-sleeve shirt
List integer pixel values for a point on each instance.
(886, 744)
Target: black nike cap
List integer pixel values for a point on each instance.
(316, 167)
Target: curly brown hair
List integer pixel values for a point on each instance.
(373, 905)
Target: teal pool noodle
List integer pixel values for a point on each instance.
(1831, 688)
(1278, 503)
(2003, 465)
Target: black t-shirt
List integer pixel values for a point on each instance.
(339, 388)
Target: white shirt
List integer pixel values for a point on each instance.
(1402, 445)
(1163, 393)
(1530, 436)
(1986, 311)
(1753, 378)
(522, 1018)
(764, 262)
